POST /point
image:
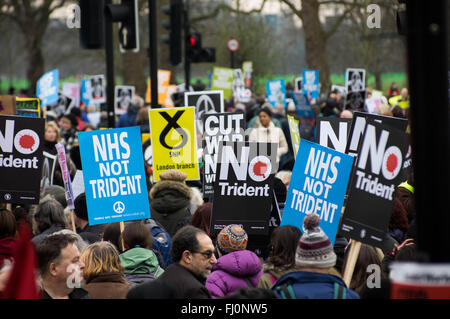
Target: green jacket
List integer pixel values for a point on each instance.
(140, 261)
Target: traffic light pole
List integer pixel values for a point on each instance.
(153, 54)
(187, 62)
(109, 69)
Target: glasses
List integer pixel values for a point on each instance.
(207, 254)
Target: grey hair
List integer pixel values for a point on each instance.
(80, 243)
(49, 212)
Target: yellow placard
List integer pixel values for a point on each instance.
(144, 137)
(163, 86)
(174, 141)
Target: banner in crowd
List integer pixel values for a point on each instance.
(62, 106)
(163, 87)
(355, 80)
(302, 106)
(228, 127)
(243, 188)
(317, 186)
(73, 91)
(205, 102)
(62, 159)
(28, 107)
(379, 161)
(247, 68)
(276, 92)
(373, 104)
(47, 87)
(311, 83)
(123, 96)
(174, 141)
(341, 89)
(355, 100)
(114, 176)
(298, 84)
(414, 280)
(98, 91)
(48, 170)
(7, 105)
(333, 132)
(295, 134)
(240, 92)
(359, 123)
(21, 140)
(222, 79)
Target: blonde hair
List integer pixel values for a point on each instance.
(54, 126)
(100, 257)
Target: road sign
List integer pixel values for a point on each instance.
(233, 45)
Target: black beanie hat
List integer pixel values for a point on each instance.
(72, 118)
(81, 207)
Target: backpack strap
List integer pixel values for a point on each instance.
(339, 291)
(285, 290)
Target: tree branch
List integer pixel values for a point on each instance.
(296, 11)
(338, 22)
(223, 6)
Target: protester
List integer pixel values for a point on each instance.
(103, 272)
(236, 267)
(285, 177)
(139, 261)
(49, 218)
(193, 256)
(69, 124)
(90, 233)
(269, 133)
(281, 260)
(8, 239)
(314, 259)
(80, 243)
(142, 120)
(51, 137)
(59, 259)
(170, 201)
(393, 90)
(111, 233)
(398, 223)
(58, 192)
(367, 257)
(130, 117)
(202, 219)
(346, 114)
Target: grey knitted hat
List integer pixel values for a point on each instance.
(314, 248)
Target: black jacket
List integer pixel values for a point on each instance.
(176, 282)
(91, 234)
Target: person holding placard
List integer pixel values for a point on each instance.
(89, 233)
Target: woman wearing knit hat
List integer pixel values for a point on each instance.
(236, 267)
(314, 258)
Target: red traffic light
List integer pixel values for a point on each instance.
(192, 41)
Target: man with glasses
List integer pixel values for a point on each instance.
(193, 255)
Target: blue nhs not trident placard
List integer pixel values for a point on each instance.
(114, 176)
(318, 185)
(47, 87)
(310, 84)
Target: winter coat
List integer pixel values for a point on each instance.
(91, 234)
(231, 271)
(140, 265)
(40, 237)
(111, 285)
(184, 283)
(49, 147)
(271, 274)
(129, 118)
(169, 205)
(7, 246)
(310, 285)
(272, 134)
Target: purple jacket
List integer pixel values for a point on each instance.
(229, 274)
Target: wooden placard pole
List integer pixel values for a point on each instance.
(122, 227)
(72, 219)
(351, 261)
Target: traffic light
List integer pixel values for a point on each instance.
(195, 52)
(92, 30)
(174, 25)
(126, 13)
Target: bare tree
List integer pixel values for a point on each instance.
(32, 17)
